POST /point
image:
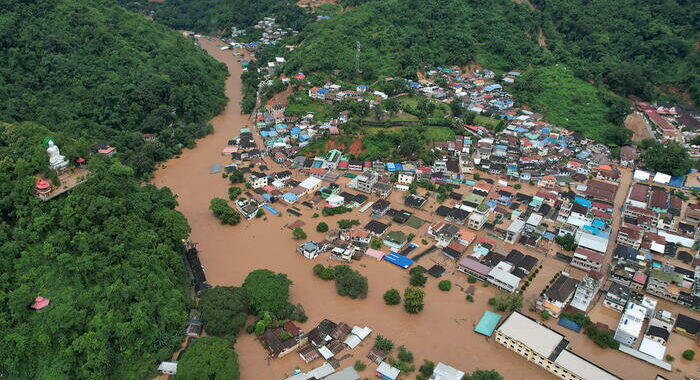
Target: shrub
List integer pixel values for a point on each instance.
(418, 279)
(417, 269)
(670, 358)
(318, 269)
(424, 242)
(250, 329)
(327, 274)
(236, 176)
(603, 338)
(405, 355)
(445, 285)
(427, 368)
(375, 243)
(509, 302)
(322, 227)
(517, 186)
(315, 215)
(234, 192)
(471, 279)
(392, 297)
(348, 223)
(544, 315)
(383, 344)
(485, 284)
(330, 211)
(470, 298)
(688, 354)
(359, 366)
(298, 234)
(413, 300)
(225, 213)
(260, 213)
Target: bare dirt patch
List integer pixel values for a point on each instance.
(635, 122)
(279, 98)
(355, 147)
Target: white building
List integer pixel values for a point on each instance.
(443, 371)
(630, 326)
(501, 277)
(547, 348)
(406, 178)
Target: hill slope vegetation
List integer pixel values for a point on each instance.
(108, 254)
(100, 73)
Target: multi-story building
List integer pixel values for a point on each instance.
(257, 180)
(587, 259)
(617, 297)
(630, 235)
(558, 295)
(478, 218)
(630, 326)
(364, 182)
(547, 348)
(665, 283)
(502, 277)
(586, 291)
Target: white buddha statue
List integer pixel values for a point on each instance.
(56, 161)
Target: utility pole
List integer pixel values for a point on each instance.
(357, 57)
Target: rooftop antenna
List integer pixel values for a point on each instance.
(357, 57)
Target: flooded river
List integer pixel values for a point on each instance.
(442, 332)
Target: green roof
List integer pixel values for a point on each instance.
(396, 237)
(414, 222)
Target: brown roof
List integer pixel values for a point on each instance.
(601, 190)
(639, 192)
(628, 153)
(376, 355)
(340, 331)
(658, 198)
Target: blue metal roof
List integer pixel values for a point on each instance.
(398, 260)
(569, 324)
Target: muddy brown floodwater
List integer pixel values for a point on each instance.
(442, 332)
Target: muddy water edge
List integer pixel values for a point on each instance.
(442, 332)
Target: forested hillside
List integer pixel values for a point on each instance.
(209, 16)
(632, 46)
(399, 37)
(107, 255)
(100, 73)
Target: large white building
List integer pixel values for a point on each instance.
(547, 348)
(630, 326)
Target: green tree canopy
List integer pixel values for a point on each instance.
(481, 374)
(268, 291)
(670, 158)
(98, 73)
(209, 358)
(224, 309)
(108, 254)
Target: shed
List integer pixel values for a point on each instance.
(487, 324)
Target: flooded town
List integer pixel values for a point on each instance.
(486, 215)
(350, 190)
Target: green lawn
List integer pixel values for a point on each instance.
(299, 104)
(439, 133)
(485, 121)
